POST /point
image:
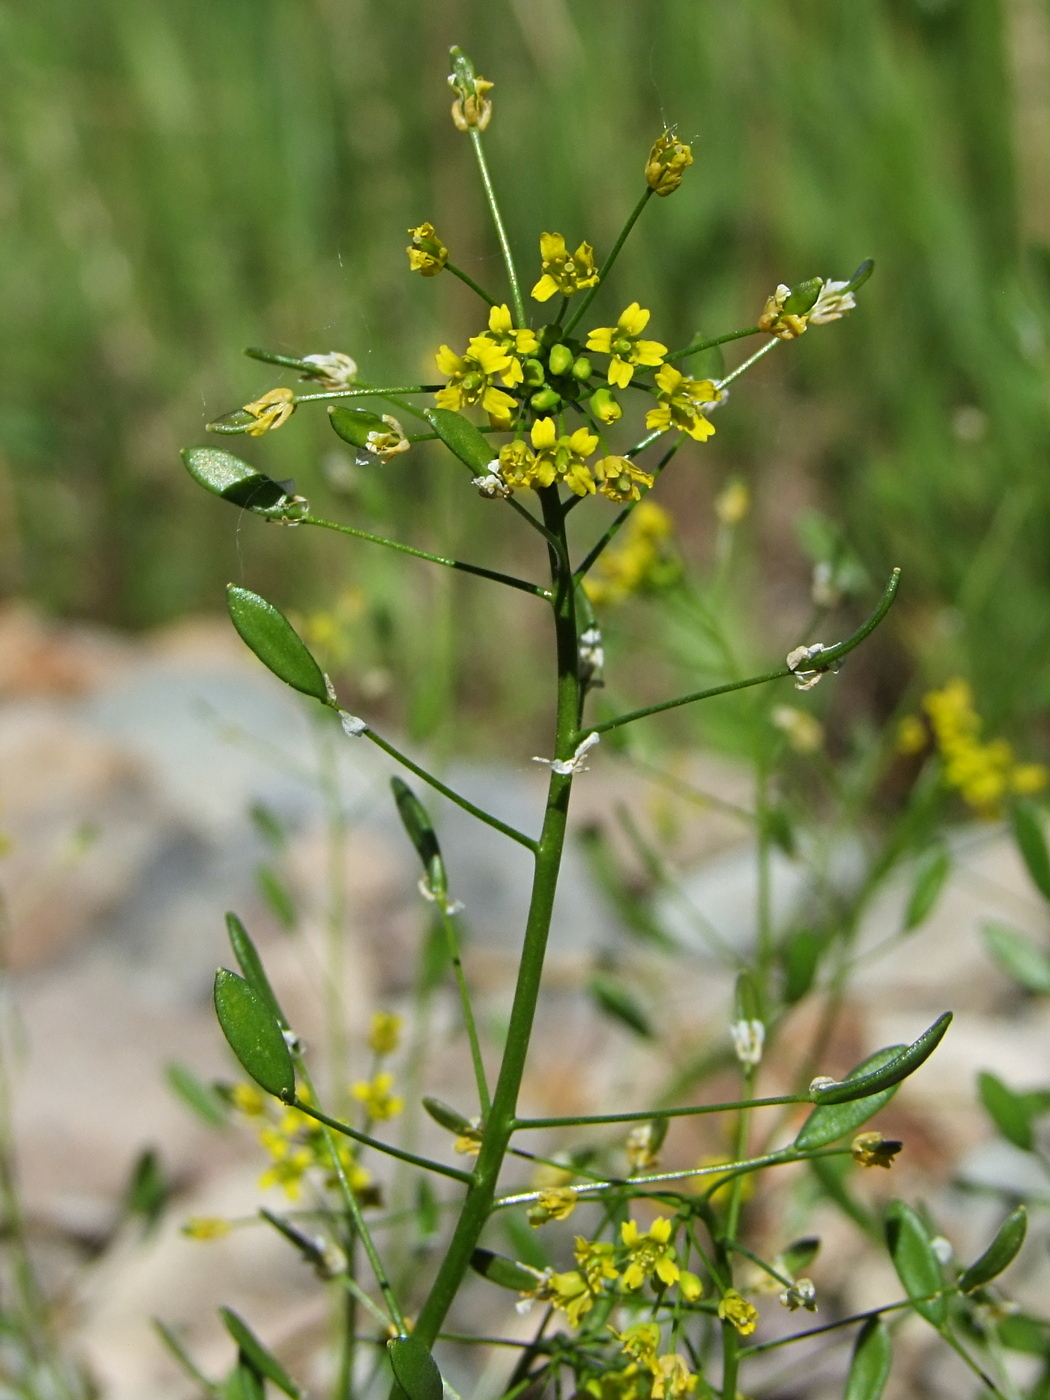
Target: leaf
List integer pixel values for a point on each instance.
(892, 1072)
(798, 1256)
(461, 437)
(225, 475)
(275, 642)
(925, 892)
(870, 1367)
(503, 1272)
(148, 1189)
(1019, 956)
(250, 963)
(1031, 842)
(179, 1353)
(800, 955)
(447, 1116)
(257, 1355)
(918, 1267)
(415, 1370)
(420, 832)
(243, 1382)
(200, 1097)
(1027, 1334)
(829, 1122)
(253, 1034)
(1002, 1251)
(616, 1001)
(428, 1212)
(277, 896)
(1011, 1113)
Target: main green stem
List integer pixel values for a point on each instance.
(501, 1120)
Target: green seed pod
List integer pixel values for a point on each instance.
(447, 1117)
(803, 297)
(417, 824)
(560, 359)
(505, 1273)
(1001, 1252)
(581, 368)
(275, 642)
(546, 400)
(354, 424)
(861, 275)
(252, 1032)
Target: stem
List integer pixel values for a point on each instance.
(730, 1360)
(606, 266)
(548, 851)
(364, 392)
(347, 1131)
(621, 519)
(741, 369)
(521, 320)
(465, 277)
(827, 659)
(697, 345)
(521, 584)
(647, 1113)
(739, 1155)
(449, 926)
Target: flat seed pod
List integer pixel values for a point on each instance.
(829, 1122)
(1002, 1251)
(892, 1072)
(461, 437)
(447, 1116)
(354, 425)
(618, 1002)
(417, 825)
(261, 1360)
(225, 475)
(869, 1368)
(415, 1370)
(250, 963)
(918, 1267)
(503, 1272)
(268, 633)
(253, 1034)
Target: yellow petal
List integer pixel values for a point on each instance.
(552, 247)
(544, 434)
(658, 418)
(667, 1270)
(512, 374)
(490, 357)
(649, 352)
(668, 378)
(700, 428)
(545, 288)
(660, 1229)
(449, 397)
(601, 339)
(583, 442)
(499, 319)
(629, 1233)
(525, 342)
(495, 401)
(620, 373)
(634, 320)
(448, 362)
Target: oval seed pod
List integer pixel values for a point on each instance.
(461, 437)
(1001, 1252)
(892, 1072)
(505, 1273)
(917, 1265)
(416, 822)
(869, 1368)
(225, 475)
(803, 296)
(250, 963)
(354, 425)
(447, 1116)
(861, 275)
(268, 633)
(415, 1370)
(252, 1032)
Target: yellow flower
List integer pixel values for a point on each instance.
(596, 1262)
(248, 1100)
(733, 503)
(738, 1311)
(563, 272)
(270, 411)
(375, 1094)
(690, 1286)
(620, 480)
(644, 558)
(513, 342)
(569, 1292)
(668, 161)
(629, 1383)
(672, 1378)
(385, 1035)
(651, 1253)
(873, 1150)
(206, 1227)
(516, 462)
(983, 774)
(680, 403)
(640, 1342)
(774, 319)
(1027, 778)
(555, 1204)
(468, 1143)
(288, 1169)
(472, 107)
(472, 375)
(911, 735)
(426, 253)
(561, 458)
(623, 344)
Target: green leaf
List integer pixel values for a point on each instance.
(225, 475)
(253, 1034)
(503, 1272)
(420, 832)
(461, 437)
(1002, 1251)
(798, 1256)
(415, 1370)
(925, 892)
(250, 963)
(1031, 842)
(148, 1189)
(275, 642)
(195, 1094)
(447, 1116)
(870, 1367)
(269, 825)
(831, 1173)
(1021, 1332)
(260, 1359)
(892, 1072)
(428, 1212)
(243, 1383)
(1019, 956)
(618, 1002)
(182, 1357)
(800, 955)
(918, 1267)
(277, 896)
(1011, 1113)
(829, 1122)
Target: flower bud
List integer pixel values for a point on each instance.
(532, 372)
(560, 359)
(545, 400)
(471, 107)
(581, 369)
(605, 405)
(668, 161)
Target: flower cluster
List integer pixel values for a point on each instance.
(643, 560)
(984, 774)
(563, 271)
(495, 353)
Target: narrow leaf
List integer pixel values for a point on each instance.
(275, 642)
(415, 1370)
(148, 1189)
(277, 896)
(925, 892)
(1021, 1332)
(918, 1267)
(253, 1034)
(461, 437)
(800, 955)
(870, 1367)
(503, 1272)
(616, 1001)
(183, 1358)
(1002, 1251)
(1031, 842)
(892, 1072)
(200, 1097)
(225, 475)
(829, 1122)
(259, 1357)
(420, 832)
(1019, 956)
(244, 1382)
(250, 963)
(1011, 1113)
(798, 1256)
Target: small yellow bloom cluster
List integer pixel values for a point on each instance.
(681, 403)
(668, 161)
(624, 344)
(270, 411)
(426, 253)
(644, 559)
(297, 1145)
(385, 1035)
(649, 1253)
(556, 1203)
(738, 1311)
(984, 774)
(563, 271)
(493, 353)
(377, 1096)
(206, 1227)
(671, 1376)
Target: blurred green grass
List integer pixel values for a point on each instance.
(181, 178)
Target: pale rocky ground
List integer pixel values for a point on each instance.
(126, 775)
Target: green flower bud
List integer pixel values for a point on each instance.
(545, 400)
(581, 368)
(533, 374)
(605, 405)
(560, 359)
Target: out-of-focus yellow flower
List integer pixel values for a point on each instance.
(650, 1253)
(595, 1260)
(732, 503)
(620, 479)
(681, 403)
(563, 271)
(641, 1341)
(247, 1099)
(426, 253)
(668, 161)
(804, 732)
(206, 1227)
(629, 1383)
(984, 774)
(270, 411)
(624, 344)
(690, 1286)
(912, 735)
(557, 1203)
(873, 1150)
(385, 1035)
(672, 1378)
(737, 1310)
(644, 558)
(377, 1096)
